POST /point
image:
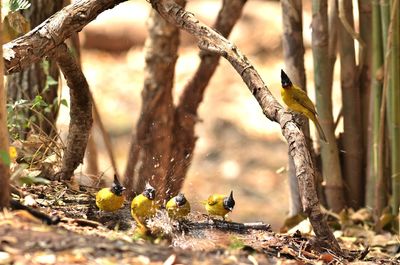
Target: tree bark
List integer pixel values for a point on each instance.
(352, 136)
(185, 115)
(4, 164)
(91, 154)
(80, 111)
(323, 76)
(154, 130)
(211, 41)
(33, 46)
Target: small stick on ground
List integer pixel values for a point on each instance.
(226, 226)
(49, 220)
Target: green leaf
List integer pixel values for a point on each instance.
(5, 157)
(45, 66)
(64, 102)
(16, 5)
(39, 102)
(33, 178)
(50, 81)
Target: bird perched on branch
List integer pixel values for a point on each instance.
(178, 207)
(143, 206)
(111, 199)
(220, 205)
(297, 100)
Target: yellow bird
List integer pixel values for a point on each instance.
(111, 199)
(218, 204)
(178, 207)
(143, 206)
(297, 100)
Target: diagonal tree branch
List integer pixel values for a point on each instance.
(31, 47)
(212, 41)
(185, 116)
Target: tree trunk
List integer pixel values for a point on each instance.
(4, 158)
(323, 76)
(91, 154)
(352, 136)
(35, 79)
(80, 111)
(293, 51)
(185, 116)
(154, 130)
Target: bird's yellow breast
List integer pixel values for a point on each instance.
(142, 207)
(108, 201)
(215, 205)
(175, 211)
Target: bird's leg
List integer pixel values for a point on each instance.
(138, 222)
(226, 218)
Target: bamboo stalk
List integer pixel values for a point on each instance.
(386, 94)
(394, 106)
(323, 70)
(376, 90)
(365, 54)
(352, 136)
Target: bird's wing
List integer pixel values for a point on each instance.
(212, 200)
(301, 97)
(134, 204)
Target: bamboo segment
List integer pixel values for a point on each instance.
(323, 70)
(394, 107)
(376, 90)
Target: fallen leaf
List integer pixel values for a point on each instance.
(5, 258)
(170, 260)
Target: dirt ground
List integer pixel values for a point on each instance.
(77, 233)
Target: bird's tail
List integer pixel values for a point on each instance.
(320, 130)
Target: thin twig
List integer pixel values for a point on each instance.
(105, 135)
(47, 219)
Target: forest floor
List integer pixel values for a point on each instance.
(82, 235)
(238, 149)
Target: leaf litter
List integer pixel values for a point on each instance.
(86, 236)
